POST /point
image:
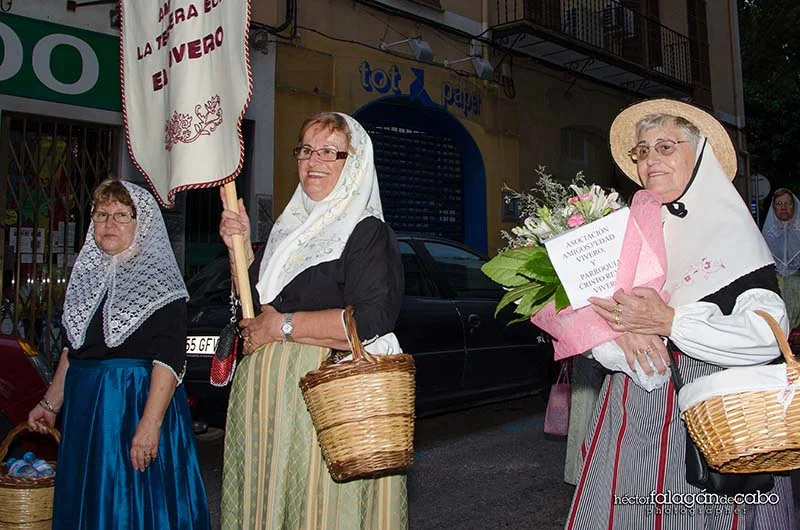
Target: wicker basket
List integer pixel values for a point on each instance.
(749, 432)
(25, 503)
(363, 411)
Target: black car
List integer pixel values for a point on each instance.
(462, 353)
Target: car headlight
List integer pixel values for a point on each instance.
(37, 360)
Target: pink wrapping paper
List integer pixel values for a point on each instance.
(643, 263)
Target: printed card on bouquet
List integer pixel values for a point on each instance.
(586, 258)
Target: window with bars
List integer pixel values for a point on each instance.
(698, 39)
(421, 179)
(50, 168)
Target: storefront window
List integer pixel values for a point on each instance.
(50, 168)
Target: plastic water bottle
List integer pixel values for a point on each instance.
(20, 468)
(40, 465)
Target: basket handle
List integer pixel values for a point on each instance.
(52, 431)
(359, 352)
(786, 350)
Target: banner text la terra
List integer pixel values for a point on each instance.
(192, 49)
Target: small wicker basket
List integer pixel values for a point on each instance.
(25, 503)
(363, 411)
(750, 432)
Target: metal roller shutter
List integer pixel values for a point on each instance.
(421, 178)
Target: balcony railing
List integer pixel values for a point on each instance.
(614, 28)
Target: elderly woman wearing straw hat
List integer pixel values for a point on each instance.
(719, 271)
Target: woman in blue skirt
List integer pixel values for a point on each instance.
(127, 459)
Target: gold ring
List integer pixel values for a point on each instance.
(616, 319)
(617, 309)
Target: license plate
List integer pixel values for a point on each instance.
(205, 345)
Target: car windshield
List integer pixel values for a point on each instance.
(209, 282)
(461, 270)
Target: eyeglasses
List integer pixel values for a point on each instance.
(779, 204)
(326, 154)
(663, 148)
(119, 217)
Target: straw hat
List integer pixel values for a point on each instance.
(623, 133)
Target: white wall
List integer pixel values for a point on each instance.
(262, 110)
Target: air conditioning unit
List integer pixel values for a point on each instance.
(584, 25)
(618, 20)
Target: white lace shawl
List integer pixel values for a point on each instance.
(136, 282)
(783, 239)
(312, 232)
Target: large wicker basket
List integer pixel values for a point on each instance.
(363, 411)
(749, 432)
(25, 503)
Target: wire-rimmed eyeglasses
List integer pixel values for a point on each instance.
(120, 217)
(663, 147)
(326, 154)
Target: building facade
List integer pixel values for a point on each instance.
(461, 98)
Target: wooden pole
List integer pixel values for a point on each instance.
(239, 256)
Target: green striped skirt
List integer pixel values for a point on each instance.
(790, 292)
(274, 476)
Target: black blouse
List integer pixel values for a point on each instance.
(368, 276)
(162, 337)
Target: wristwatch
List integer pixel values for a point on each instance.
(287, 327)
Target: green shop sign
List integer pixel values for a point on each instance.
(41, 60)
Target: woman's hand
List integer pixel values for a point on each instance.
(144, 446)
(232, 223)
(262, 329)
(643, 312)
(643, 348)
(39, 419)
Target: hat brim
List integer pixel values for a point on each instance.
(622, 136)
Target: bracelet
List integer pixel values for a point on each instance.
(46, 405)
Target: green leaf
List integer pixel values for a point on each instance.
(538, 307)
(503, 268)
(530, 300)
(520, 319)
(562, 300)
(530, 288)
(538, 267)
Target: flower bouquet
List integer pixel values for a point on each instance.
(632, 254)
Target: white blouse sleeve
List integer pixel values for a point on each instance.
(742, 338)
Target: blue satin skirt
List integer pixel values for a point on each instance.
(96, 486)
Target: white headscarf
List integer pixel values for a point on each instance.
(312, 232)
(717, 240)
(136, 282)
(783, 238)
